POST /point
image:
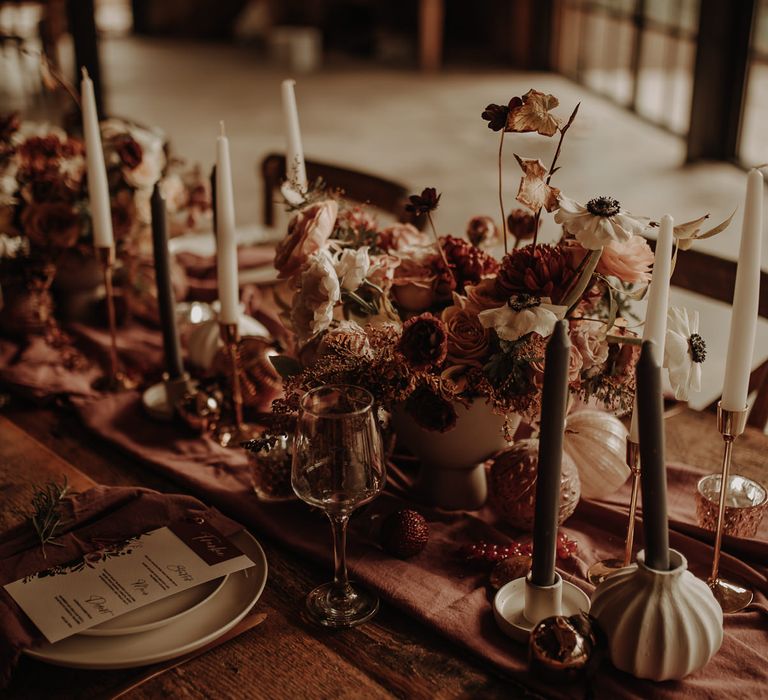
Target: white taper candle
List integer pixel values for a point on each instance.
(746, 298)
(98, 190)
(294, 155)
(655, 326)
(226, 243)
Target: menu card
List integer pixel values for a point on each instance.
(120, 577)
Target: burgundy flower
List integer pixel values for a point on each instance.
(37, 152)
(430, 410)
(482, 229)
(51, 225)
(496, 116)
(129, 150)
(48, 185)
(521, 224)
(424, 342)
(542, 270)
(423, 203)
(470, 264)
(9, 125)
(444, 283)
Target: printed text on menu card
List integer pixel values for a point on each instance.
(69, 599)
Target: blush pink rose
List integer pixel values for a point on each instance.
(308, 232)
(401, 237)
(630, 261)
(413, 286)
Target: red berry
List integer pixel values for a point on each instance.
(404, 533)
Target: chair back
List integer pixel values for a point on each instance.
(715, 278)
(386, 195)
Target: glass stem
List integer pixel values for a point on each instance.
(339, 529)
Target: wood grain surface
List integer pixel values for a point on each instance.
(284, 656)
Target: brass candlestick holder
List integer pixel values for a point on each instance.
(116, 380)
(601, 570)
(161, 400)
(731, 596)
(233, 434)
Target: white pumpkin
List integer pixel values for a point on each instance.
(597, 442)
(205, 339)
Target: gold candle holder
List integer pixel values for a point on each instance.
(601, 570)
(116, 380)
(233, 434)
(731, 596)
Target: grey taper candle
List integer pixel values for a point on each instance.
(653, 470)
(165, 299)
(554, 401)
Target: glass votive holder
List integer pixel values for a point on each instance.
(271, 470)
(745, 504)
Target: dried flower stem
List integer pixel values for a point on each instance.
(437, 242)
(501, 197)
(552, 167)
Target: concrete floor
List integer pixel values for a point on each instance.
(424, 130)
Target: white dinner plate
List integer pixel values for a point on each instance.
(161, 612)
(216, 616)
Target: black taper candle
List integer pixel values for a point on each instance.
(165, 299)
(554, 402)
(213, 198)
(653, 470)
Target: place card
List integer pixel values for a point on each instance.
(121, 577)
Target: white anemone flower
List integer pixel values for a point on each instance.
(600, 222)
(521, 315)
(684, 351)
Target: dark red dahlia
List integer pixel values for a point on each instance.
(542, 270)
(129, 150)
(469, 264)
(424, 342)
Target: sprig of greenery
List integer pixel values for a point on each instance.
(46, 512)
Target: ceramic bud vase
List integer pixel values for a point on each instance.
(452, 474)
(661, 625)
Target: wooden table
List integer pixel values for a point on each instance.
(392, 657)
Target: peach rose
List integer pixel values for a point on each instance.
(51, 225)
(586, 337)
(630, 261)
(401, 237)
(413, 287)
(308, 232)
(468, 341)
(483, 296)
(382, 271)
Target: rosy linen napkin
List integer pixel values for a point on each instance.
(101, 514)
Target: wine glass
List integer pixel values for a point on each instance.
(338, 464)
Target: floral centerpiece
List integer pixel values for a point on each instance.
(45, 224)
(431, 322)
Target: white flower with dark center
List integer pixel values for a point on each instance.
(600, 222)
(684, 351)
(521, 315)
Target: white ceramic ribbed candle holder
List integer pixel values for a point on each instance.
(661, 625)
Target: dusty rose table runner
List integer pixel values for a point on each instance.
(434, 587)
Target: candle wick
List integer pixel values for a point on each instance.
(221, 128)
(84, 73)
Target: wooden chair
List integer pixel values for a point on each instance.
(364, 188)
(715, 278)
